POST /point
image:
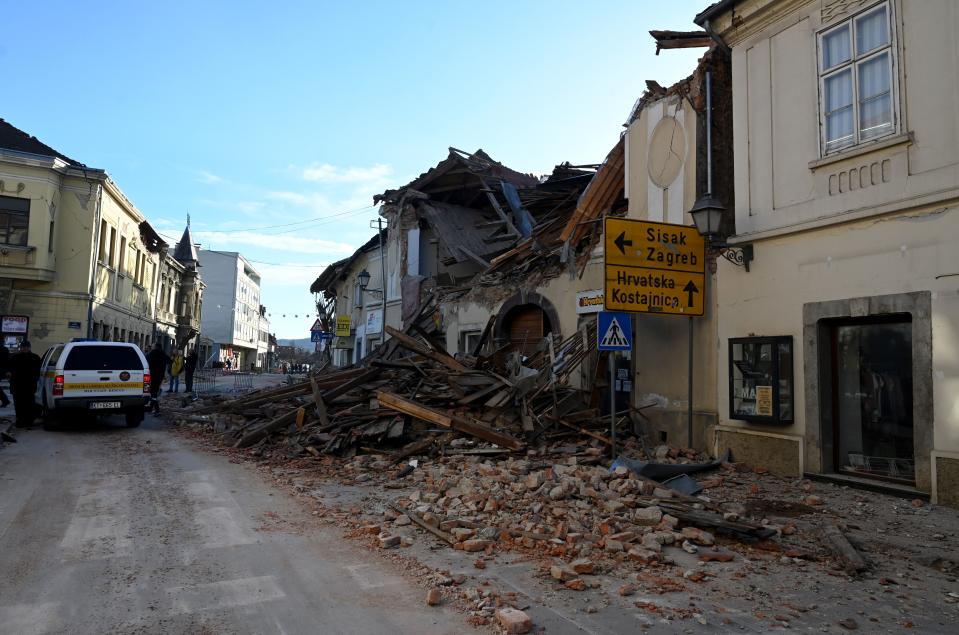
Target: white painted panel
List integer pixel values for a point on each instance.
(795, 118)
(931, 91)
(759, 103)
(413, 252)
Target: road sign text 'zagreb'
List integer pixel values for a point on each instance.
(654, 267)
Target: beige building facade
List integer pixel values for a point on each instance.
(343, 299)
(847, 187)
(77, 258)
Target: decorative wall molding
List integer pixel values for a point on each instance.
(860, 177)
(833, 10)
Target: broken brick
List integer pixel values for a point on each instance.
(514, 621)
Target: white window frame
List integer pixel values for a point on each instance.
(853, 63)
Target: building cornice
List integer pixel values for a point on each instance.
(746, 19)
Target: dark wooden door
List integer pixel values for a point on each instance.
(526, 328)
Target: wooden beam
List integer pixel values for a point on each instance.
(836, 540)
(420, 522)
(418, 347)
(448, 420)
(319, 404)
(472, 256)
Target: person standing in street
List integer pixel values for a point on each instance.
(158, 361)
(189, 367)
(4, 369)
(176, 367)
(24, 372)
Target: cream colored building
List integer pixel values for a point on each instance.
(76, 256)
(847, 187)
(344, 298)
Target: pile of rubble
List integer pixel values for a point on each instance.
(410, 395)
(568, 508)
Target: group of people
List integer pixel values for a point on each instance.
(162, 365)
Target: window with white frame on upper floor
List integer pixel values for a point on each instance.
(856, 79)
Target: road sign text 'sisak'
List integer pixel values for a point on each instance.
(654, 267)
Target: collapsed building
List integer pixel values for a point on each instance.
(517, 261)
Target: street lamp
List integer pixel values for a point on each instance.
(707, 213)
(364, 279)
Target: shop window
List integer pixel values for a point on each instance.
(761, 379)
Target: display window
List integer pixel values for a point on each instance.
(761, 379)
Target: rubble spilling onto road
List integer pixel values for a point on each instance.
(478, 428)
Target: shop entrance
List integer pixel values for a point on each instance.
(871, 411)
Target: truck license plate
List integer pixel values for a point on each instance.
(104, 405)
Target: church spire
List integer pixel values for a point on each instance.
(185, 250)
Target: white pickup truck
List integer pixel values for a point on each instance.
(95, 377)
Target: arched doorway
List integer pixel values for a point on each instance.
(527, 325)
(524, 320)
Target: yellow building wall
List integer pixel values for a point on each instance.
(50, 282)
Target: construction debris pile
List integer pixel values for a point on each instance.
(410, 395)
(568, 508)
(485, 420)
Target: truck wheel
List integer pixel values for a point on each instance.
(134, 417)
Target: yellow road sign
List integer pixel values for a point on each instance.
(342, 326)
(654, 267)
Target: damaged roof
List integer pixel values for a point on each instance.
(12, 138)
(334, 273)
(457, 171)
(680, 39)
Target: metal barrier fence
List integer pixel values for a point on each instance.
(242, 381)
(207, 380)
(204, 380)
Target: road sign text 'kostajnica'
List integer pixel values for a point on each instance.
(654, 267)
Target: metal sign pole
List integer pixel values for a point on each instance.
(612, 404)
(689, 423)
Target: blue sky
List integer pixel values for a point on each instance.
(250, 115)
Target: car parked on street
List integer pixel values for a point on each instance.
(94, 377)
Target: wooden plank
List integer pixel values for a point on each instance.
(485, 336)
(852, 561)
(582, 430)
(318, 403)
(264, 430)
(418, 347)
(421, 523)
(300, 416)
(468, 399)
(454, 422)
(472, 256)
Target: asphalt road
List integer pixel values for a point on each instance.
(110, 530)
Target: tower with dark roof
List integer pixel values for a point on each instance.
(185, 250)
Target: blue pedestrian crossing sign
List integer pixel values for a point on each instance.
(614, 331)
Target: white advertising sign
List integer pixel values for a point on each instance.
(15, 323)
(589, 301)
(374, 321)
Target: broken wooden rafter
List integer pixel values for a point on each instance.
(448, 420)
(416, 346)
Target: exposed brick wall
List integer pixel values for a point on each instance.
(717, 62)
